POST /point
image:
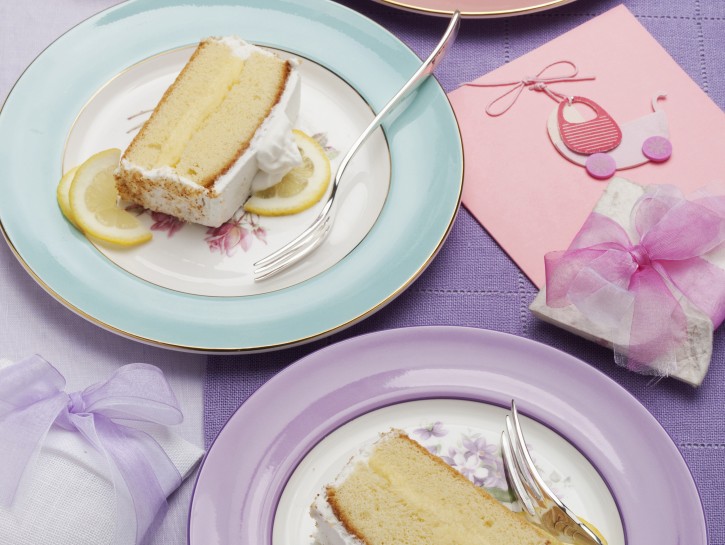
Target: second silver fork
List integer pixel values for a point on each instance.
(540, 504)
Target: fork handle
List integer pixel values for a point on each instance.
(411, 85)
(267, 266)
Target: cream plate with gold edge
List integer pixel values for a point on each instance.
(449, 427)
(197, 260)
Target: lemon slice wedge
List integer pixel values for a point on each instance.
(301, 187)
(63, 195)
(93, 203)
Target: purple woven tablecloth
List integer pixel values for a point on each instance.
(472, 282)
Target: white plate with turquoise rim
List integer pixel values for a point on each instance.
(421, 149)
(197, 260)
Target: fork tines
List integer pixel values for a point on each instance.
(540, 503)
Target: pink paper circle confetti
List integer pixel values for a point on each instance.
(601, 166)
(657, 149)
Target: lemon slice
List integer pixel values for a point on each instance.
(93, 199)
(301, 187)
(63, 195)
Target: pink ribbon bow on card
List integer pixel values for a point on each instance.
(32, 400)
(633, 289)
(502, 104)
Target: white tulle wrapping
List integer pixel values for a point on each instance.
(689, 361)
(68, 498)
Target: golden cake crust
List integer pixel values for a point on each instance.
(135, 187)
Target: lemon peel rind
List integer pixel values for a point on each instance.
(62, 195)
(90, 168)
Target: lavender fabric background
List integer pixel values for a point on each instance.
(472, 282)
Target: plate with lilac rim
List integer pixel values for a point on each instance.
(475, 8)
(450, 389)
(191, 288)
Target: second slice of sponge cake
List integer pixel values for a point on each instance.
(224, 122)
(396, 492)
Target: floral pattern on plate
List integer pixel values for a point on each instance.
(478, 457)
(239, 232)
(330, 151)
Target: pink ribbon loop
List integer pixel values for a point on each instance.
(32, 400)
(636, 285)
(537, 83)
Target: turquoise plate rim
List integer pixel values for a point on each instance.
(426, 179)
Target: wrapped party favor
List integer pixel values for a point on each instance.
(644, 276)
(87, 468)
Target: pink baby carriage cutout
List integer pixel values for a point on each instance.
(598, 144)
(642, 140)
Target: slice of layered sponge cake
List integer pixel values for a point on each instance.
(397, 493)
(221, 130)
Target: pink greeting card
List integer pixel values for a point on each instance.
(528, 191)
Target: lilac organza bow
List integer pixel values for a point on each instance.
(32, 400)
(633, 289)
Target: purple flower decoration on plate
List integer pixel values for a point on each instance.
(480, 448)
(471, 454)
(432, 430)
(467, 464)
(434, 449)
(165, 222)
(226, 238)
(496, 475)
(162, 222)
(259, 232)
(234, 234)
(330, 151)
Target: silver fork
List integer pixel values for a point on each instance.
(316, 233)
(540, 504)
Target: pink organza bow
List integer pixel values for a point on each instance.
(634, 289)
(32, 400)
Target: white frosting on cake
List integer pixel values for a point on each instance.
(330, 531)
(239, 47)
(271, 154)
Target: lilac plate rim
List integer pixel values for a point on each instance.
(247, 466)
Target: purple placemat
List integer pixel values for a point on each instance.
(472, 282)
